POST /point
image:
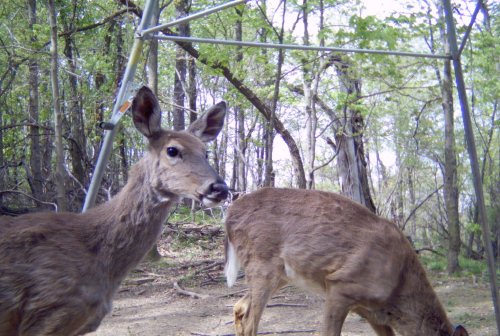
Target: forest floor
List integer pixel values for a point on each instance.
(148, 304)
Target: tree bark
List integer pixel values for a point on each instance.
(179, 123)
(77, 140)
(269, 174)
(450, 189)
(192, 90)
(240, 153)
(152, 75)
(349, 138)
(58, 116)
(311, 121)
(35, 178)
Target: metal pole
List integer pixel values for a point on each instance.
(193, 16)
(123, 93)
(471, 147)
(294, 46)
(469, 28)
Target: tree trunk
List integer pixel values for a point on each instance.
(239, 154)
(152, 75)
(413, 202)
(77, 140)
(351, 157)
(58, 116)
(242, 148)
(311, 121)
(269, 174)
(179, 123)
(450, 159)
(192, 90)
(35, 178)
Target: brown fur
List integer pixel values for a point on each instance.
(59, 271)
(330, 244)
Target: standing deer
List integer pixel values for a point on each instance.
(59, 271)
(332, 245)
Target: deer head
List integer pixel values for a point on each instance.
(179, 165)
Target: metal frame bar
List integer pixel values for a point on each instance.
(471, 148)
(194, 16)
(124, 92)
(469, 28)
(295, 46)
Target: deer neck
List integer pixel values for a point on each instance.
(133, 220)
(427, 315)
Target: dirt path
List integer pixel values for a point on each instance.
(148, 305)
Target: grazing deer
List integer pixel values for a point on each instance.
(332, 245)
(59, 271)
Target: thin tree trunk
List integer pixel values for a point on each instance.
(450, 158)
(35, 178)
(269, 174)
(311, 121)
(58, 116)
(259, 153)
(411, 191)
(179, 123)
(240, 150)
(152, 75)
(192, 90)
(77, 139)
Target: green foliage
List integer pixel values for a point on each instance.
(437, 263)
(434, 262)
(472, 267)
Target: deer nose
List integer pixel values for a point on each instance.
(219, 190)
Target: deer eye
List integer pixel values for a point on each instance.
(172, 151)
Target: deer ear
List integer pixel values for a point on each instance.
(460, 331)
(208, 126)
(146, 112)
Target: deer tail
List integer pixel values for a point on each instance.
(232, 263)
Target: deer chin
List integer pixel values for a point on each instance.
(210, 202)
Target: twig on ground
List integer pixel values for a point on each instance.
(274, 305)
(198, 263)
(233, 293)
(138, 282)
(286, 332)
(209, 267)
(189, 293)
(264, 332)
(297, 305)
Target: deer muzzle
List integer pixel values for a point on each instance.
(215, 193)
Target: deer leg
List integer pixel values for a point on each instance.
(380, 329)
(240, 311)
(337, 307)
(57, 323)
(248, 310)
(68, 319)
